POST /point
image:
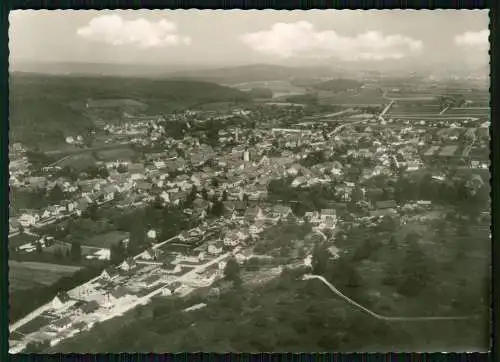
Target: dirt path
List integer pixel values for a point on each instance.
(376, 315)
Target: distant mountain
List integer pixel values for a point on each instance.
(44, 109)
(255, 73)
(99, 69)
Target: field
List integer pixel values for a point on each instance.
(26, 275)
(21, 239)
(125, 153)
(78, 162)
(105, 240)
(471, 112)
(365, 97)
(278, 87)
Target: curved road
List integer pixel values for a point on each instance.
(376, 315)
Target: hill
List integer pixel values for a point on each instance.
(253, 73)
(43, 109)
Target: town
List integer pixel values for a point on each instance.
(169, 205)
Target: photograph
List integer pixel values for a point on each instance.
(249, 181)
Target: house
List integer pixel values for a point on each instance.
(60, 300)
(240, 208)
(151, 234)
(166, 292)
(214, 249)
(253, 213)
(70, 205)
(128, 264)
(301, 180)
(109, 192)
(231, 239)
(101, 254)
(109, 274)
(328, 222)
(143, 186)
(388, 204)
(382, 208)
(254, 230)
(150, 254)
(282, 212)
(325, 213)
(27, 220)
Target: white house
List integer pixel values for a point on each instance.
(128, 264)
(151, 234)
(109, 274)
(27, 220)
(214, 249)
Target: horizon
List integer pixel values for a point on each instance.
(178, 39)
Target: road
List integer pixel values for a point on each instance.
(338, 128)
(376, 315)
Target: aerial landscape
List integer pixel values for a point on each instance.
(282, 182)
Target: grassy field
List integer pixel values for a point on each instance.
(125, 153)
(362, 97)
(105, 240)
(21, 239)
(78, 162)
(26, 275)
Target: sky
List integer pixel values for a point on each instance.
(236, 37)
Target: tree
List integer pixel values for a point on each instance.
(76, 251)
(117, 253)
(232, 272)
(157, 203)
(191, 196)
(416, 271)
(320, 259)
(56, 194)
(204, 194)
(137, 234)
(217, 209)
(92, 212)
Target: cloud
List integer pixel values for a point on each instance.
(113, 30)
(474, 39)
(287, 40)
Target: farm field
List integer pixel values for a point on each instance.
(473, 112)
(26, 275)
(366, 97)
(78, 162)
(21, 239)
(125, 153)
(105, 240)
